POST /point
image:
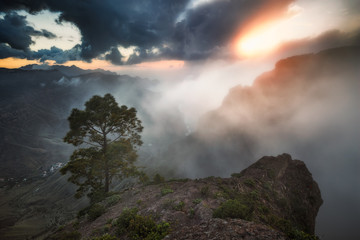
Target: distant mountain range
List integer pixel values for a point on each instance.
(35, 102)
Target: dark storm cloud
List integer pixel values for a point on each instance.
(104, 25)
(6, 51)
(15, 32)
(56, 54)
(114, 56)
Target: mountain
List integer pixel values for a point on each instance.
(71, 71)
(306, 105)
(275, 198)
(300, 101)
(35, 104)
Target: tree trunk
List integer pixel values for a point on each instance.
(107, 177)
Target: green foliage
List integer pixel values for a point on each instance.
(109, 136)
(112, 200)
(141, 227)
(197, 201)
(145, 228)
(300, 235)
(74, 235)
(254, 195)
(237, 175)
(105, 237)
(180, 206)
(205, 191)
(192, 213)
(158, 178)
(76, 224)
(109, 221)
(166, 191)
(249, 182)
(124, 219)
(169, 204)
(95, 211)
(286, 227)
(233, 209)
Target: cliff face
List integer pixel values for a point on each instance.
(275, 198)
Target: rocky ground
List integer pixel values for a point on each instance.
(275, 198)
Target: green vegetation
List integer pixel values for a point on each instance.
(286, 227)
(105, 237)
(197, 201)
(145, 228)
(249, 182)
(95, 211)
(109, 136)
(205, 191)
(158, 179)
(192, 213)
(166, 190)
(233, 209)
(124, 219)
(141, 227)
(180, 206)
(112, 200)
(237, 175)
(74, 235)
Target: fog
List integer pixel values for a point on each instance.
(307, 106)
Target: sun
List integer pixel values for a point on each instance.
(258, 42)
(251, 46)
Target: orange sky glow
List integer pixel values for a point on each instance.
(95, 64)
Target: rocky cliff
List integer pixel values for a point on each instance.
(275, 198)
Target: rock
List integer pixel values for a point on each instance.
(274, 198)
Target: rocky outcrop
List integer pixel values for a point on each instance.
(275, 198)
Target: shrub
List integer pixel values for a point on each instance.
(249, 182)
(145, 228)
(112, 200)
(233, 209)
(236, 175)
(105, 237)
(139, 227)
(95, 211)
(158, 178)
(74, 235)
(166, 191)
(192, 213)
(197, 201)
(83, 211)
(286, 227)
(180, 206)
(124, 219)
(205, 191)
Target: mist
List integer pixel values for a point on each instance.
(306, 106)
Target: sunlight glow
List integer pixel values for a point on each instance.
(258, 42)
(16, 62)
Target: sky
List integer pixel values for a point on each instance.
(152, 37)
(195, 44)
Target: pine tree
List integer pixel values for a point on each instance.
(109, 136)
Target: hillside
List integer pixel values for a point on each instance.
(275, 198)
(35, 104)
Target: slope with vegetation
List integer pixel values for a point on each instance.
(275, 198)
